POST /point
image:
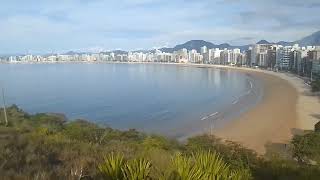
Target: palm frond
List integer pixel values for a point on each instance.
(137, 169)
(212, 164)
(242, 174)
(185, 169)
(111, 169)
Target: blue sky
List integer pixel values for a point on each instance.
(41, 26)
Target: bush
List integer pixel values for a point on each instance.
(315, 85)
(202, 165)
(306, 148)
(45, 146)
(233, 153)
(115, 168)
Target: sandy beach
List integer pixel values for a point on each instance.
(287, 104)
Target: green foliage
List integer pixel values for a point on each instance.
(280, 169)
(317, 127)
(204, 165)
(212, 164)
(184, 169)
(137, 169)
(46, 146)
(233, 153)
(83, 131)
(115, 168)
(112, 167)
(240, 174)
(306, 148)
(156, 142)
(200, 166)
(315, 85)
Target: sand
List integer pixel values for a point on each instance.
(287, 105)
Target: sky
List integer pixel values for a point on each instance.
(55, 26)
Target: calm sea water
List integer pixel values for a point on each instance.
(150, 97)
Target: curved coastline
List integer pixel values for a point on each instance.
(287, 105)
(218, 119)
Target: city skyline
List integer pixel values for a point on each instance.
(48, 26)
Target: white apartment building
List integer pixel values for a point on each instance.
(204, 50)
(215, 55)
(225, 57)
(181, 56)
(259, 49)
(195, 57)
(283, 57)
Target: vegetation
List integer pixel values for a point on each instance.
(202, 165)
(46, 146)
(315, 85)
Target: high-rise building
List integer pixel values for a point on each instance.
(235, 56)
(314, 57)
(297, 61)
(242, 59)
(283, 58)
(262, 59)
(181, 56)
(225, 57)
(192, 55)
(271, 57)
(215, 56)
(259, 53)
(248, 56)
(204, 50)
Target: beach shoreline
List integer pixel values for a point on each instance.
(287, 105)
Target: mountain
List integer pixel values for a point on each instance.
(284, 43)
(116, 52)
(193, 44)
(263, 42)
(197, 44)
(223, 46)
(312, 40)
(71, 53)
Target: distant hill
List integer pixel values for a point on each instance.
(71, 53)
(197, 44)
(284, 43)
(193, 44)
(312, 40)
(116, 52)
(263, 42)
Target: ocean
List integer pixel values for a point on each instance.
(173, 100)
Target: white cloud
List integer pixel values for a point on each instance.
(47, 25)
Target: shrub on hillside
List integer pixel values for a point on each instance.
(315, 85)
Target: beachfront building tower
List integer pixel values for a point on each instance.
(314, 57)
